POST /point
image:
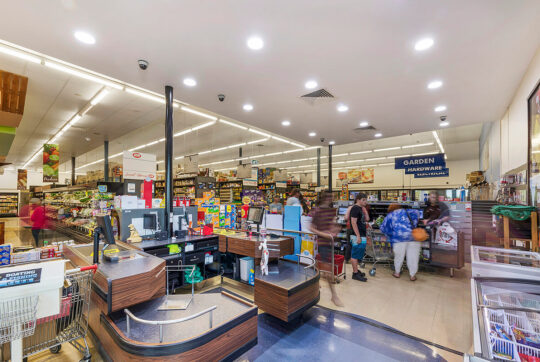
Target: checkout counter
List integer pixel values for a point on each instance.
(125, 316)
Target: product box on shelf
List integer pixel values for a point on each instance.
(26, 256)
(125, 202)
(5, 254)
(227, 216)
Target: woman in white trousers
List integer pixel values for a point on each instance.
(398, 226)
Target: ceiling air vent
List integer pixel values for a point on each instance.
(321, 93)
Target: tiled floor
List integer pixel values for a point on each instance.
(436, 307)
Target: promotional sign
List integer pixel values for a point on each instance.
(361, 176)
(244, 171)
(139, 166)
(51, 162)
(306, 178)
(22, 179)
(191, 164)
(423, 166)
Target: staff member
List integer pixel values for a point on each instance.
(435, 212)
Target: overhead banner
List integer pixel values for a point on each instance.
(22, 179)
(139, 166)
(51, 162)
(423, 166)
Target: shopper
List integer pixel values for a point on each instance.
(276, 207)
(303, 203)
(358, 219)
(435, 212)
(323, 224)
(38, 218)
(294, 198)
(398, 226)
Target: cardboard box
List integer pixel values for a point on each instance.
(125, 202)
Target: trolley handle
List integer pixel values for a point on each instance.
(83, 268)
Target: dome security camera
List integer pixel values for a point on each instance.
(143, 64)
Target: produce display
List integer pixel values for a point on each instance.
(51, 162)
(76, 209)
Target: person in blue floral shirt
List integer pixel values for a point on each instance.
(398, 226)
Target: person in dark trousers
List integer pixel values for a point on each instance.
(359, 217)
(323, 224)
(435, 212)
(38, 218)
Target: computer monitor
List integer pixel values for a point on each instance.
(255, 215)
(104, 222)
(149, 221)
(342, 210)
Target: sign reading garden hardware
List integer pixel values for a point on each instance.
(51, 162)
(423, 166)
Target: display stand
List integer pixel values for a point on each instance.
(534, 233)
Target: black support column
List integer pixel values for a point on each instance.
(330, 168)
(318, 167)
(106, 158)
(168, 159)
(72, 170)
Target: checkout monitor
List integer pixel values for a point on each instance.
(104, 222)
(255, 215)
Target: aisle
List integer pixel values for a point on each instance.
(436, 308)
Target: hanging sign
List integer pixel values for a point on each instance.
(51, 162)
(444, 172)
(420, 161)
(22, 179)
(139, 166)
(191, 164)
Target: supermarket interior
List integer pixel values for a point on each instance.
(364, 186)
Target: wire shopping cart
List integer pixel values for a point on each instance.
(380, 252)
(71, 324)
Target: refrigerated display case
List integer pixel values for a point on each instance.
(506, 319)
(501, 263)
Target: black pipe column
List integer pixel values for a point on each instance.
(330, 168)
(318, 167)
(168, 159)
(72, 170)
(106, 158)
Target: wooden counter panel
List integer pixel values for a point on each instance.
(276, 248)
(223, 243)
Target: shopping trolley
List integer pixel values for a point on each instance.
(71, 324)
(380, 252)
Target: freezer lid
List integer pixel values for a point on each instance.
(505, 256)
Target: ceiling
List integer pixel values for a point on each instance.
(360, 51)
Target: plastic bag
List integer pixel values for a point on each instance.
(446, 235)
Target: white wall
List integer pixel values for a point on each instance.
(8, 181)
(386, 177)
(508, 136)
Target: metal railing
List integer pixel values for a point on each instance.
(293, 231)
(167, 305)
(130, 316)
(312, 265)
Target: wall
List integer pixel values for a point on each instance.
(386, 177)
(509, 135)
(490, 151)
(8, 181)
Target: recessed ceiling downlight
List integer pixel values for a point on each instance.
(190, 82)
(423, 44)
(312, 134)
(364, 124)
(435, 84)
(378, 135)
(286, 123)
(332, 142)
(248, 107)
(84, 37)
(255, 43)
(311, 84)
(440, 108)
(342, 108)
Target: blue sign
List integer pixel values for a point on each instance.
(419, 169)
(420, 161)
(440, 173)
(102, 188)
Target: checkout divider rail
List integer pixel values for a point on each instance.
(335, 278)
(130, 316)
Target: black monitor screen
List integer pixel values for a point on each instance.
(149, 221)
(104, 222)
(342, 210)
(255, 215)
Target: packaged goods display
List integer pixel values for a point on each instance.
(8, 204)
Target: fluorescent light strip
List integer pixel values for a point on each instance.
(297, 144)
(237, 145)
(137, 148)
(99, 97)
(258, 141)
(280, 139)
(82, 74)
(259, 132)
(204, 125)
(19, 54)
(438, 141)
(232, 124)
(418, 145)
(193, 111)
(425, 153)
(182, 132)
(291, 151)
(375, 158)
(386, 149)
(360, 152)
(204, 152)
(340, 155)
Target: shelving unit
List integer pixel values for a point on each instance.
(193, 186)
(271, 189)
(230, 191)
(159, 188)
(9, 204)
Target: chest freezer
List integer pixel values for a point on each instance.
(506, 319)
(504, 263)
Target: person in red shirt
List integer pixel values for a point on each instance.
(38, 218)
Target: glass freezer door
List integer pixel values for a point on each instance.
(509, 319)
